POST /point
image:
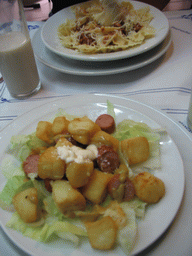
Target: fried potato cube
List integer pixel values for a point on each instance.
(66, 197)
(25, 204)
(60, 125)
(135, 150)
(148, 188)
(83, 139)
(102, 233)
(44, 131)
(115, 211)
(63, 142)
(83, 126)
(87, 216)
(78, 174)
(83, 129)
(50, 166)
(103, 138)
(96, 189)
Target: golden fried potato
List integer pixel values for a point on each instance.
(86, 216)
(44, 131)
(83, 129)
(25, 204)
(96, 189)
(135, 150)
(60, 125)
(102, 233)
(115, 211)
(63, 142)
(83, 139)
(78, 174)
(66, 197)
(102, 138)
(50, 166)
(148, 188)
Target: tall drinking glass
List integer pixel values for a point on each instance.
(17, 61)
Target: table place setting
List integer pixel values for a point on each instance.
(164, 77)
(150, 83)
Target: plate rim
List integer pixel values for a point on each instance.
(109, 56)
(118, 98)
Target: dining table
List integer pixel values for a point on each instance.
(164, 85)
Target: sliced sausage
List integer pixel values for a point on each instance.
(116, 188)
(108, 159)
(129, 190)
(30, 165)
(121, 191)
(106, 123)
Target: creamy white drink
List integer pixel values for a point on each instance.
(17, 64)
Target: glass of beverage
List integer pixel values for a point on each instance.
(17, 61)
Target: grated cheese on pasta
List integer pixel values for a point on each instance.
(85, 34)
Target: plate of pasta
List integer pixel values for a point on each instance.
(60, 233)
(76, 33)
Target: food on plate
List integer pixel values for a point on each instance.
(83, 129)
(107, 159)
(78, 174)
(77, 178)
(135, 150)
(25, 204)
(106, 123)
(60, 125)
(50, 166)
(102, 233)
(103, 138)
(89, 32)
(149, 188)
(30, 165)
(67, 198)
(96, 189)
(121, 188)
(112, 12)
(44, 131)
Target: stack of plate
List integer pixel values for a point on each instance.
(48, 49)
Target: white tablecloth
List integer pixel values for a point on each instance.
(165, 84)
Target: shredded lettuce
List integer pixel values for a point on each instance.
(13, 186)
(127, 235)
(11, 167)
(137, 205)
(110, 109)
(45, 233)
(62, 112)
(130, 129)
(21, 145)
(51, 208)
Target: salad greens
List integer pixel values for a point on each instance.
(56, 224)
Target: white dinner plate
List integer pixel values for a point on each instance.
(50, 37)
(158, 216)
(87, 68)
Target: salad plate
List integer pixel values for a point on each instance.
(74, 67)
(158, 216)
(50, 38)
